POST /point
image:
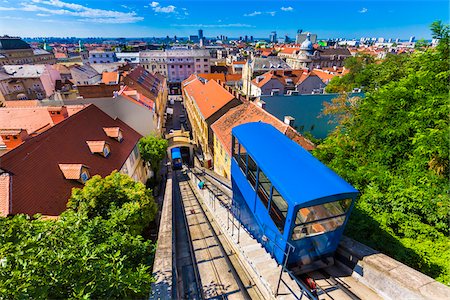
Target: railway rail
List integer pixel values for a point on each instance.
(212, 271)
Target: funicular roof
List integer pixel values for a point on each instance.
(298, 175)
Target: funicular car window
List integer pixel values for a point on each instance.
(235, 148)
(264, 186)
(243, 159)
(252, 171)
(321, 218)
(278, 209)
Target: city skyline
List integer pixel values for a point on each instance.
(398, 19)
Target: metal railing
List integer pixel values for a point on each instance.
(290, 248)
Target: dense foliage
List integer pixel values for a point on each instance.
(393, 145)
(94, 250)
(153, 149)
(118, 198)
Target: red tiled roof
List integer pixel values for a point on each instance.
(281, 75)
(145, 82)
(221, 76)
(324, 76)
(213, 76)
(110, 77)
(209, 96)
(38, 185)
(289, 50)
(250, 112)
(136, 97)
(22, 103)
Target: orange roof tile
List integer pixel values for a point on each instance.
(290, 50)
(250, 112)
(209, 96)
(96, 146)
(22, 103)
(71, 171)
(112, 132)
(213, 76)
(324, 76)
(110, 77)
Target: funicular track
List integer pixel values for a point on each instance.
(211, 273)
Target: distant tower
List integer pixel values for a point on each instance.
(80, 46)
(412, 39)
(200, 34)
(273, 37)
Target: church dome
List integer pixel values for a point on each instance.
(307, 45)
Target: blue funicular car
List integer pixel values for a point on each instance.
(288, 200)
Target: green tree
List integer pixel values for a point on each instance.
(153, 150)
(441, 32)
(118, 197)
(73, 257)
(393, 145)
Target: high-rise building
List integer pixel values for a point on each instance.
(200, 34)
(273, 37)
(412, 39)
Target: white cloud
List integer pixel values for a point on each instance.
(42, 15)
(214, 25)
(363, 10)
(289, 8)
(255, 13)
(7, 8)
(162, 9)
(165, 9)
(57, 7)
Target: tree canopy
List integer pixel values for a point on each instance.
(153, 149)
(95, 249)
(393, 145)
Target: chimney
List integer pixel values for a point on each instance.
(262, 104)
(289, 120)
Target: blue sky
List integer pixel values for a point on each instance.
(138, 18)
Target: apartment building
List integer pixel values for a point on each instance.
(101, 57)
(14, 51)
(176, 64)
(23, 82)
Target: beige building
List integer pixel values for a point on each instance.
(15, 51)
(27, 82)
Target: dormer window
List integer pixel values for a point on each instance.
(84, 176)
(78, 172)
(114, 132)
(99, 147)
